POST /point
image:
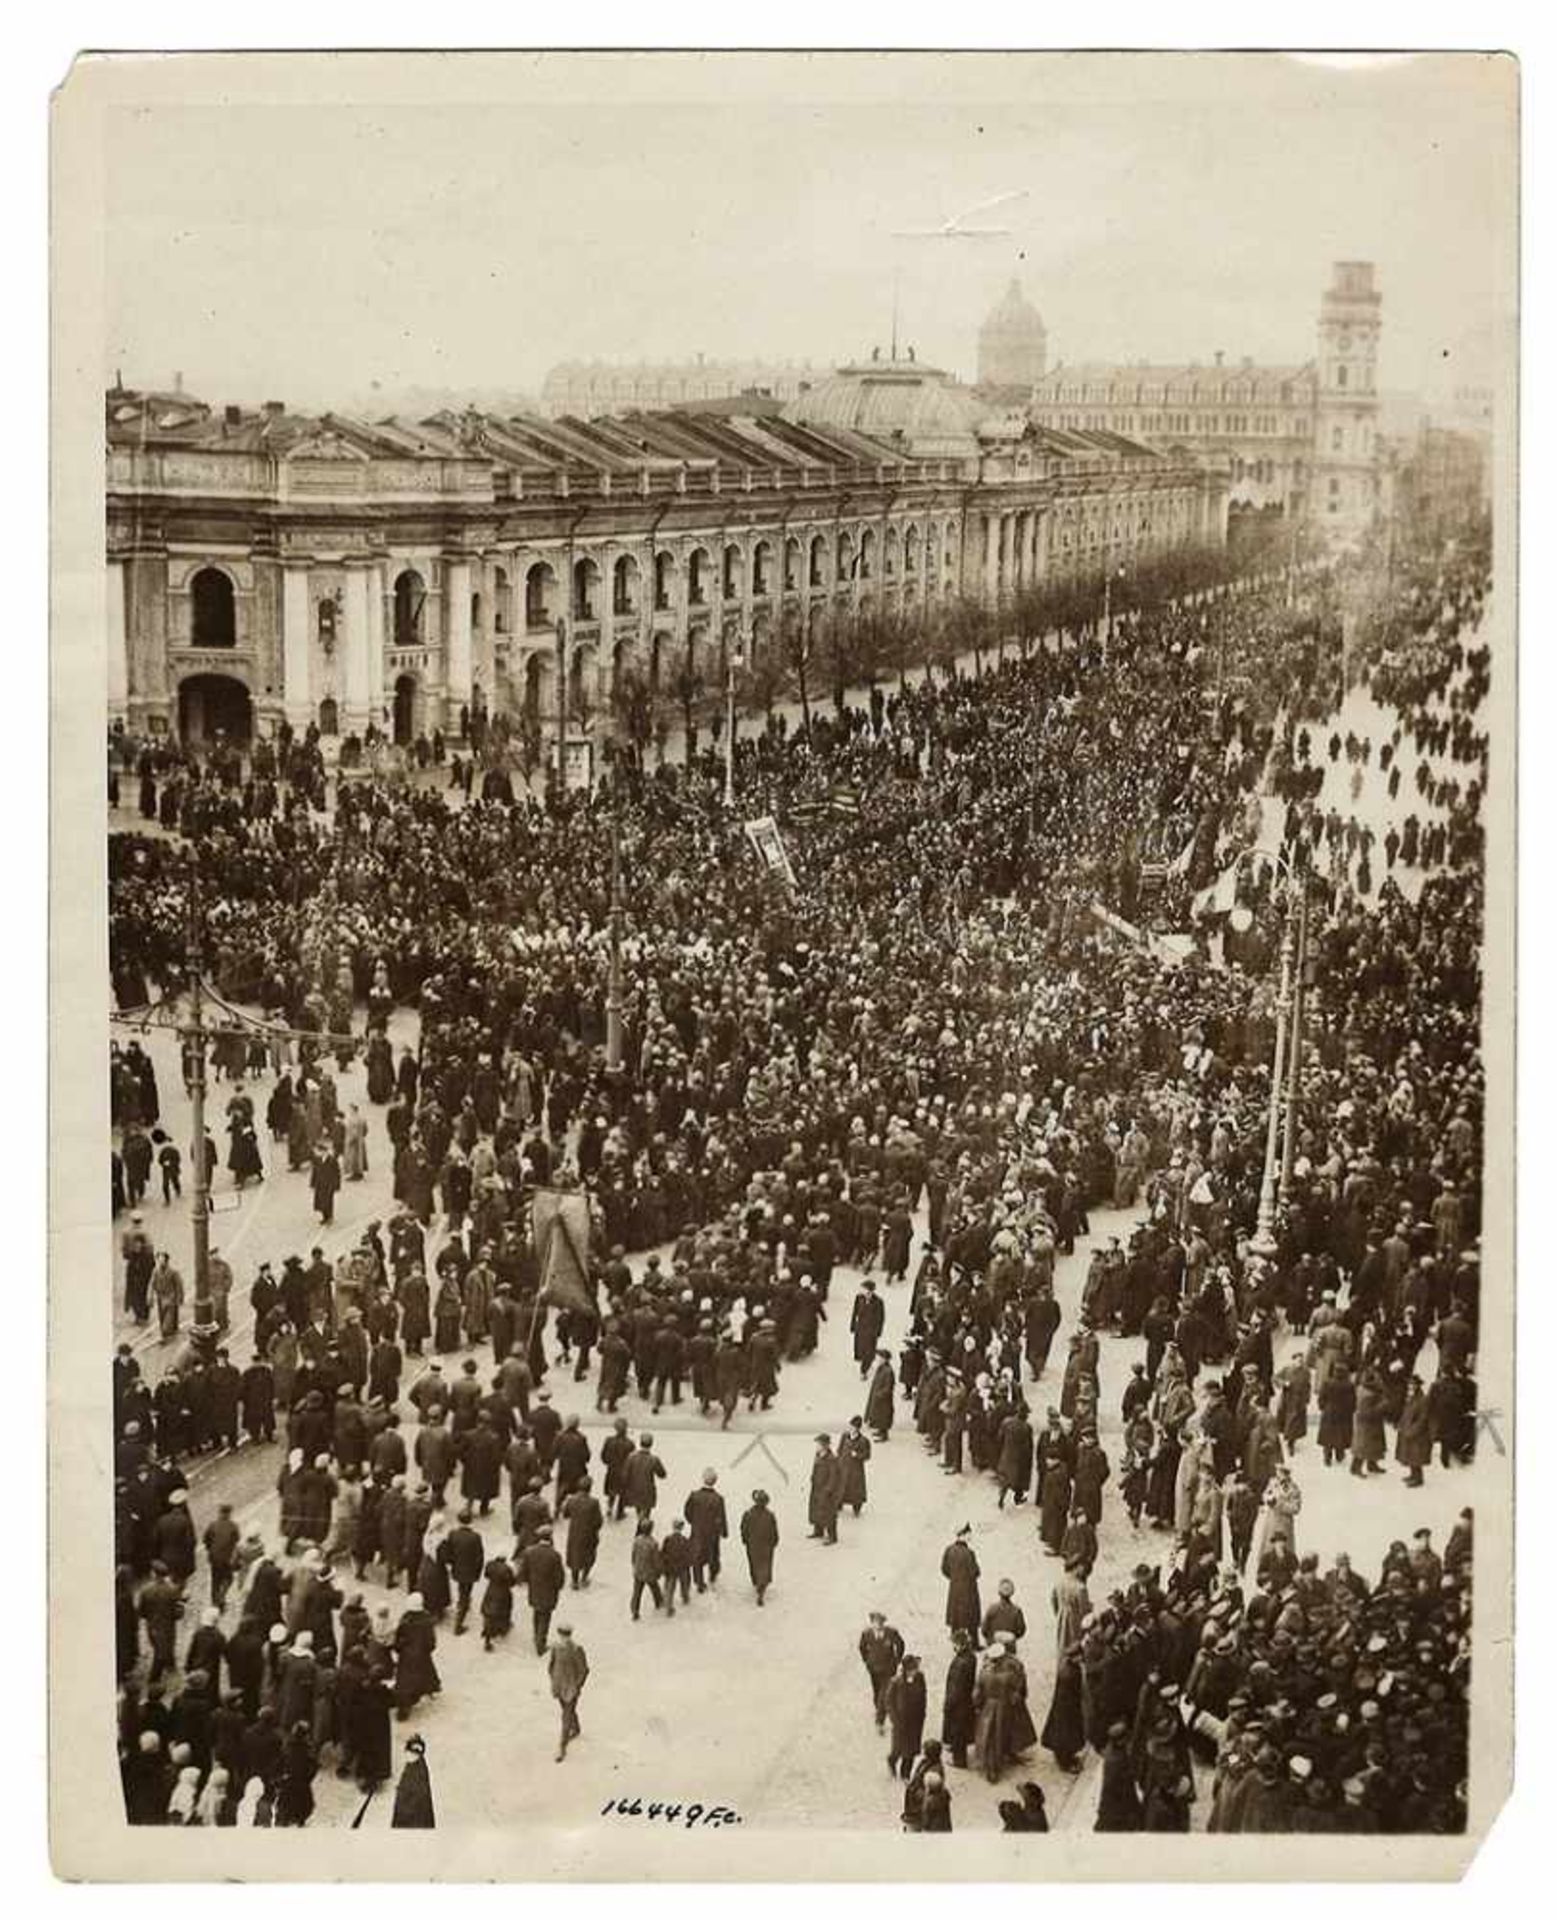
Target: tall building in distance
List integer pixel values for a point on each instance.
(1299, 439)
(1345, 494)
(1013, 345)
(599, 389)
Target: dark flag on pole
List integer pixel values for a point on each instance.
(560, 1224)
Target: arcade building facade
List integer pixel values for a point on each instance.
(267, 566)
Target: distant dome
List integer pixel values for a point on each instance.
(1013, 342)
(918, 407)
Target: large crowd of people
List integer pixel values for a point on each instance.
(930, 1063)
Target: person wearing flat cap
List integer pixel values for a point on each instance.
(826, 1492)
(567, 1671)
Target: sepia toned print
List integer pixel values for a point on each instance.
(802, 949)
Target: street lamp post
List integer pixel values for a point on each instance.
(1295, 1048)
(203, 1332)
(1264, 1241)
(1286, 1064)
(734, 658)
(614, 978)
(562, 696)
(1108, 608)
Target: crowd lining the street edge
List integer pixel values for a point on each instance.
(931, 1027)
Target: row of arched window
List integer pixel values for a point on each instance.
(826, 560)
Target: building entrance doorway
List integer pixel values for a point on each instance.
(407, 709)
(212, 706)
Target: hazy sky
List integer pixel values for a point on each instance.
(306, 250)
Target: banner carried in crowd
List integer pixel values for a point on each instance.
(560, 1224)
(768, 845)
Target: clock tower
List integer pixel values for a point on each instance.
(1344, 498)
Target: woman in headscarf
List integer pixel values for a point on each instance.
(213, 1808)
(184, 1800)
(255, 1809)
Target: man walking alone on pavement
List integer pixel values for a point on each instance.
(569, 1669)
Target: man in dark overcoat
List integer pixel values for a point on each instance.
(879, 1406)
(760, 1537)
(544, 1576)
(822, 1511)
(585, 1518)
(881, 1652)
(960, 1569)
(867, 1317)
(905, 1705)
(957, 1708)
(1014, 1466)
(708, 1525)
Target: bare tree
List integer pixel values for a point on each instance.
(966, 630)
(632, 709)
(795, 646)
(766, 681)
(688, 687)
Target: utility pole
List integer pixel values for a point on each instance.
(203, 1332)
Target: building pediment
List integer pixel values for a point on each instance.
(327, 445)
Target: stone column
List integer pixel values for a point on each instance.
(456, 649)
(296, 693)
(485, 667)
(354, 718)
(1007, 548)
(118, 645)
(991, 557)
(376, 643)
(1030, 563)
(146, 626)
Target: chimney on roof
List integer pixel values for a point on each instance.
(178, 383)
(1219, 356)
(274, 409)
(1248, 360)
(232, 415)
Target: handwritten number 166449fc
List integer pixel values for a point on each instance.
(674, 1812)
